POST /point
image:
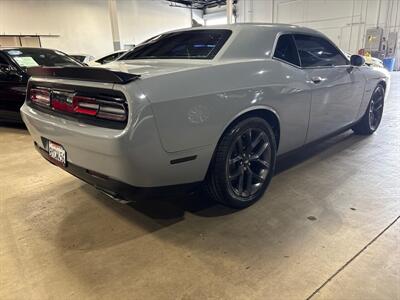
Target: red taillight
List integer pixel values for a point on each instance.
(99, 108)
(62, 101)
(40, 96)
(85, 105)
(110, 108)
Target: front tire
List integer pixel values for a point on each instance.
(243, 164)
(369, 123)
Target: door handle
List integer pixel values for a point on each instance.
(316, 79)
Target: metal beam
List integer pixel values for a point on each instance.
(112, 8)
(229, 11)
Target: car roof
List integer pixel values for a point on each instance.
(244, 41)
(25, 48)
(272, 26)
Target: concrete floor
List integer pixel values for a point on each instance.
(328, 228)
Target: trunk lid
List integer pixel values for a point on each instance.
(156, 67)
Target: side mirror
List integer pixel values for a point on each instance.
(357, 60)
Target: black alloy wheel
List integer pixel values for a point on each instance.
(249, 163)
(376, 109)
(372, 118)
(243, 164)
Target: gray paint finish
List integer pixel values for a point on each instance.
(181, 108)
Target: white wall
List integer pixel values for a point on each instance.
(142, 19)
(84, 26)
(215, 16)
(249, 11)
(344, 21)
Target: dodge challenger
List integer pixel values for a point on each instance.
(214, 105)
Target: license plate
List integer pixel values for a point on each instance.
(57, 153)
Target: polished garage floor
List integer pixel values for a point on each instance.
(327, 229)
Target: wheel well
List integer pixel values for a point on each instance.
(383, 83)
(265, 114)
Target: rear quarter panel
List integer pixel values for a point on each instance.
(193, 108)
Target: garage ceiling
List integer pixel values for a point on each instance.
(200, 4)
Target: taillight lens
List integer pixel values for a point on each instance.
(40, 97)
(85, 105)
(112, 112)
(99, 108)
(109, 108)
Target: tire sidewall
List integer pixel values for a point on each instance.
(220, 166)
(378, 88)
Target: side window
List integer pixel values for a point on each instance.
(317, 52)
(105, 60)
(110, 58)
(286, 50)
(4, 64)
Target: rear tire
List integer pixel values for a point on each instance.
(369, 123)
(243, 164)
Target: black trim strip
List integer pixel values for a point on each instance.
(83, 73)
(183, 159)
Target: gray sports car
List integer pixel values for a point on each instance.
(215, 105)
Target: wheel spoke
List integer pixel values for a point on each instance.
(249, 181)
(234, 160)
(241, 181)
(263, 162)
(380, 95)
(248, 142)
(257, 140)
(378, 108)
(236, 174)
(260, 151)
(249, 135)
(239, 145)
(371, 119)
(256, 176)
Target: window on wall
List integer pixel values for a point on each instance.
(286, 50)
(19, 41)
(317, 52)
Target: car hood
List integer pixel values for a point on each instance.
(155, 67)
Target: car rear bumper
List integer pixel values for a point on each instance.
(117, 189)
(133, 156)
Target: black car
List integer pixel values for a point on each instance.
(14, 66)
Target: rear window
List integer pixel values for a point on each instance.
(80, 58)
(27, 58)
(193, 44)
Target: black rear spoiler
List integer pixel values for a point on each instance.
(83, 73)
